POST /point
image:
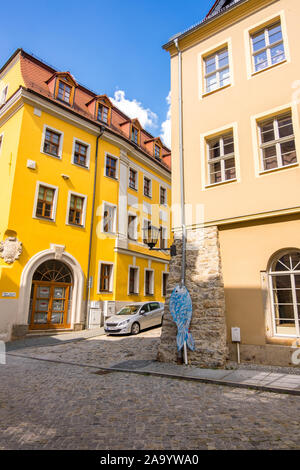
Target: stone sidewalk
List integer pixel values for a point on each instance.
(67, 392)
(241, 377)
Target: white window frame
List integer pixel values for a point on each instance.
(220, 159)
(108, 154)
(137, 280)
(166, 198)
(88, 153)
(152, 282)
(137, 179)
(277, 142)
(114, 223)
(144, 226)
(129, 213)
(291, 273)
(145, 195)
(84, 197)
(111, 280)
(267, 47)
(54, 207)
(164, 237)
(218, 69)
(60, 148)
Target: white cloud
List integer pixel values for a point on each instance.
(166, 125)
(134, 109)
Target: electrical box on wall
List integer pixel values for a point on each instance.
(95, 318)
(236, 335)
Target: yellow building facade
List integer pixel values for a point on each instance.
(241, 152)
(80, 181)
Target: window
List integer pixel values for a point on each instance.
(146, 225)
(45, 201)
(267, 47)
(133, 178)
(64, 92)
(111, 167)
(52, 143)
(216, 73)
(134, 135)
(132, 227)
(106, 277)
(102, 113)
(221, 160)
(163, 238)
(277, 142)
(163, 196)
(76, 210)
(165, 277)
(157, 151)
(149, 282)
(154, 306)
(109, 218)
(133, 280)
(284, 284)
(147, 187)
(81, 154)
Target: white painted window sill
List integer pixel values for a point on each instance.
(213, 185)
(273, 170)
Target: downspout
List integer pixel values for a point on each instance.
(182, 198)
(87, 293)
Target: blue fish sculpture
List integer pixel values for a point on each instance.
(181, 311)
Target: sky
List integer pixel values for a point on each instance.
(112, 47)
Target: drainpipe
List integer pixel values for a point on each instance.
(87, 293)
(182, 198)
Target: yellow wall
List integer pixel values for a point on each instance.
(10, 132)
(22, 142)
(237, 105)
(12, 76)
(246, 251)
(36, 234)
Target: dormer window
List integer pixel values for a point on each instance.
(102, 113)
(62, 85)
(64, 92)
(135, 135)
(100, 108)
(157, 151)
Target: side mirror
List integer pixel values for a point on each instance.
(142, 311)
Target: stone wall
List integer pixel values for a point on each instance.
(205, 285)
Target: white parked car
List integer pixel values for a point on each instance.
(134, 318)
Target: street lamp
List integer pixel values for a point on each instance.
(151, 235)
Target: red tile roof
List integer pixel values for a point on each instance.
(36, 74)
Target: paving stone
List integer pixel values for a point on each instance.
(61, 403)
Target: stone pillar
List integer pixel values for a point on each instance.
(205, 285)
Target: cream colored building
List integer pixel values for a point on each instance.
(241, 150)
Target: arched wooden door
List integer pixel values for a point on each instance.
(51, 296)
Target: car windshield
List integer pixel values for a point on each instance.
(129, 310)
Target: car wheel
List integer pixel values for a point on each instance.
(135, 329)
(162, 321)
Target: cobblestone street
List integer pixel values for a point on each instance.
(56, 397)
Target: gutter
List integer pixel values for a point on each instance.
(87, 293)
(181, 162)
(204, 22)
